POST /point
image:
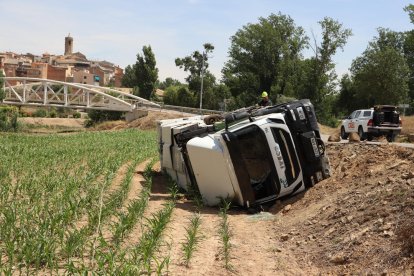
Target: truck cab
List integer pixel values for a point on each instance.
(258, 156)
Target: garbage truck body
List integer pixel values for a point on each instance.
(251, 156)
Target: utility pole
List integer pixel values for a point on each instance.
(202, 77)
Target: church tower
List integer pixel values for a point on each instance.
(68, 45)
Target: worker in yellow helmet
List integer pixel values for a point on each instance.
(265, 100)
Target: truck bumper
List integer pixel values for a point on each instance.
(376, 131)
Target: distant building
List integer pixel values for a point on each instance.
(70, 67)
(83, 77)
(57, 73)
(68, 45)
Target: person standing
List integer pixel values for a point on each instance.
(265, 100)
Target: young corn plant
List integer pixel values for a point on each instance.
(192, 238)
(135, 210)
(224, 232)
(48, 183)
(151, 239)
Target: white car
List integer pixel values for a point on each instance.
(382, 120)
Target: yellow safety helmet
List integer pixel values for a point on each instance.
(264, 94)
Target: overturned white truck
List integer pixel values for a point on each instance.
(252, 156)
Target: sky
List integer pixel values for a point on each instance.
(116, 31)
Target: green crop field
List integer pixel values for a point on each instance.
(60, 211)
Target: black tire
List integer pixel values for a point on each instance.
(369, 137)
(344, 135)
(362, 134)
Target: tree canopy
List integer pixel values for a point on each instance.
(263, 56)
(381, 73)
(143, 75)
(146, 73)
(194, 65)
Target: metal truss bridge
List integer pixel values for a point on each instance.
(51, 93)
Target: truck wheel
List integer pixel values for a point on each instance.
(344, 135)
(369, 137)
(361, 134)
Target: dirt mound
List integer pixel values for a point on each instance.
(350, 222)
(150, 121)
(144, 123)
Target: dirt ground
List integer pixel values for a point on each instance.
(63, 122)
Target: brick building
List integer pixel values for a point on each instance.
(70, 67)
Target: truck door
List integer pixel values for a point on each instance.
(353, 121)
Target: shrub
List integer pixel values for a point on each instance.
(97, 116)
(40, 113)
(53, 113)
(8, 118)
(76, 115)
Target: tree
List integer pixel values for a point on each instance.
(179, 95)
(168, 82)
(381, 74)
(146, 73)
(262, 56)
(129, 78)
(347, 99)
(410, 10)
(320, 74)
(194, 65)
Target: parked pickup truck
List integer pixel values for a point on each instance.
(252, 156)
(382, 120)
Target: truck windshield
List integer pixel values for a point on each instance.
(252, 159)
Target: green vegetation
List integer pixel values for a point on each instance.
(8, 118)
(58, 206)
(192, 238)
(142, 75)
(98, 116)
(224, 232)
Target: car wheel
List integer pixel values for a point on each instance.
(361, 134)
(344, 135)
